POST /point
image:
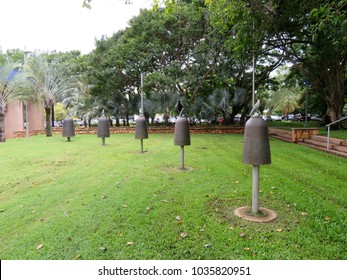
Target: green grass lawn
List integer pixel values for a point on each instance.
(82, 200)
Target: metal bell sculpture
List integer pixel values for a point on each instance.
(68, 128)
(141, 129)
(103, 128)
(256, 151)
(182, 135)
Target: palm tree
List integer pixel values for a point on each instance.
(220, 102)
(45, 84)
(8, 80)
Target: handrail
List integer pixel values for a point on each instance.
(328, 126)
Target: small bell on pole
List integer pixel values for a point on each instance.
(182, 135)
(68, 128)
(141, 130)
(103, 128)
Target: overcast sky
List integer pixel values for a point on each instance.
(62, 25)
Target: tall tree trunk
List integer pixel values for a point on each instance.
(332, 90)
(48, 122)
(53, 117)
(2, 127)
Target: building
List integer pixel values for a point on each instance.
(15, 118)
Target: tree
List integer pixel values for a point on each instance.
(9, 79)
(310, 34)
(45, 83)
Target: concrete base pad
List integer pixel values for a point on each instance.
(263, 216)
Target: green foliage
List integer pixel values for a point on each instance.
(60, 112)
(118, 195)
(44, 83)
(311, 35)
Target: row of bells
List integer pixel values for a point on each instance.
(256, 147)
(103, 128)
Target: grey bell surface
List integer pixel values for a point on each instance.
(68, 128)
(103, 128)
(182, 133)
(256, 146)
(141, 131)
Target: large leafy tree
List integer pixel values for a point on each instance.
(312, 35)
(172, 49)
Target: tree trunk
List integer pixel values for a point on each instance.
(53, 117)
(2, 127)
(48, 122)
(332, 90)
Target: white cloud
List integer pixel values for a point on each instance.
(62, 25)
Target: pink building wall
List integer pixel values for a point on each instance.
(36, 116)
(14, 118)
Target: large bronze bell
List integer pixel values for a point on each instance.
(182, 133)
(141, 131)
(182, 136)
(103, 129)
(68, 128)
(256, 146)
(256, 151)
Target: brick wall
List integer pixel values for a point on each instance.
(151, 129)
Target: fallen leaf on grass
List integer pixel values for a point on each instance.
(2, 210)
(33, 212)
(327, 219)
(130, 243)
(247, 249)
(102, 249)
(279, 230)
(124, 206)
(303, 213)
(40, 246)
(148, 208)
(207, 245)
(104, 196)
(165, 201)
(184, 235)
(178, 218)
(242, 234)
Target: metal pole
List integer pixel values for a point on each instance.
(182, 157)
(306, 103)
(141, 145)
(142, 112)
(253, 82)
(255, 189)
(253, 74)
(103, 141)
